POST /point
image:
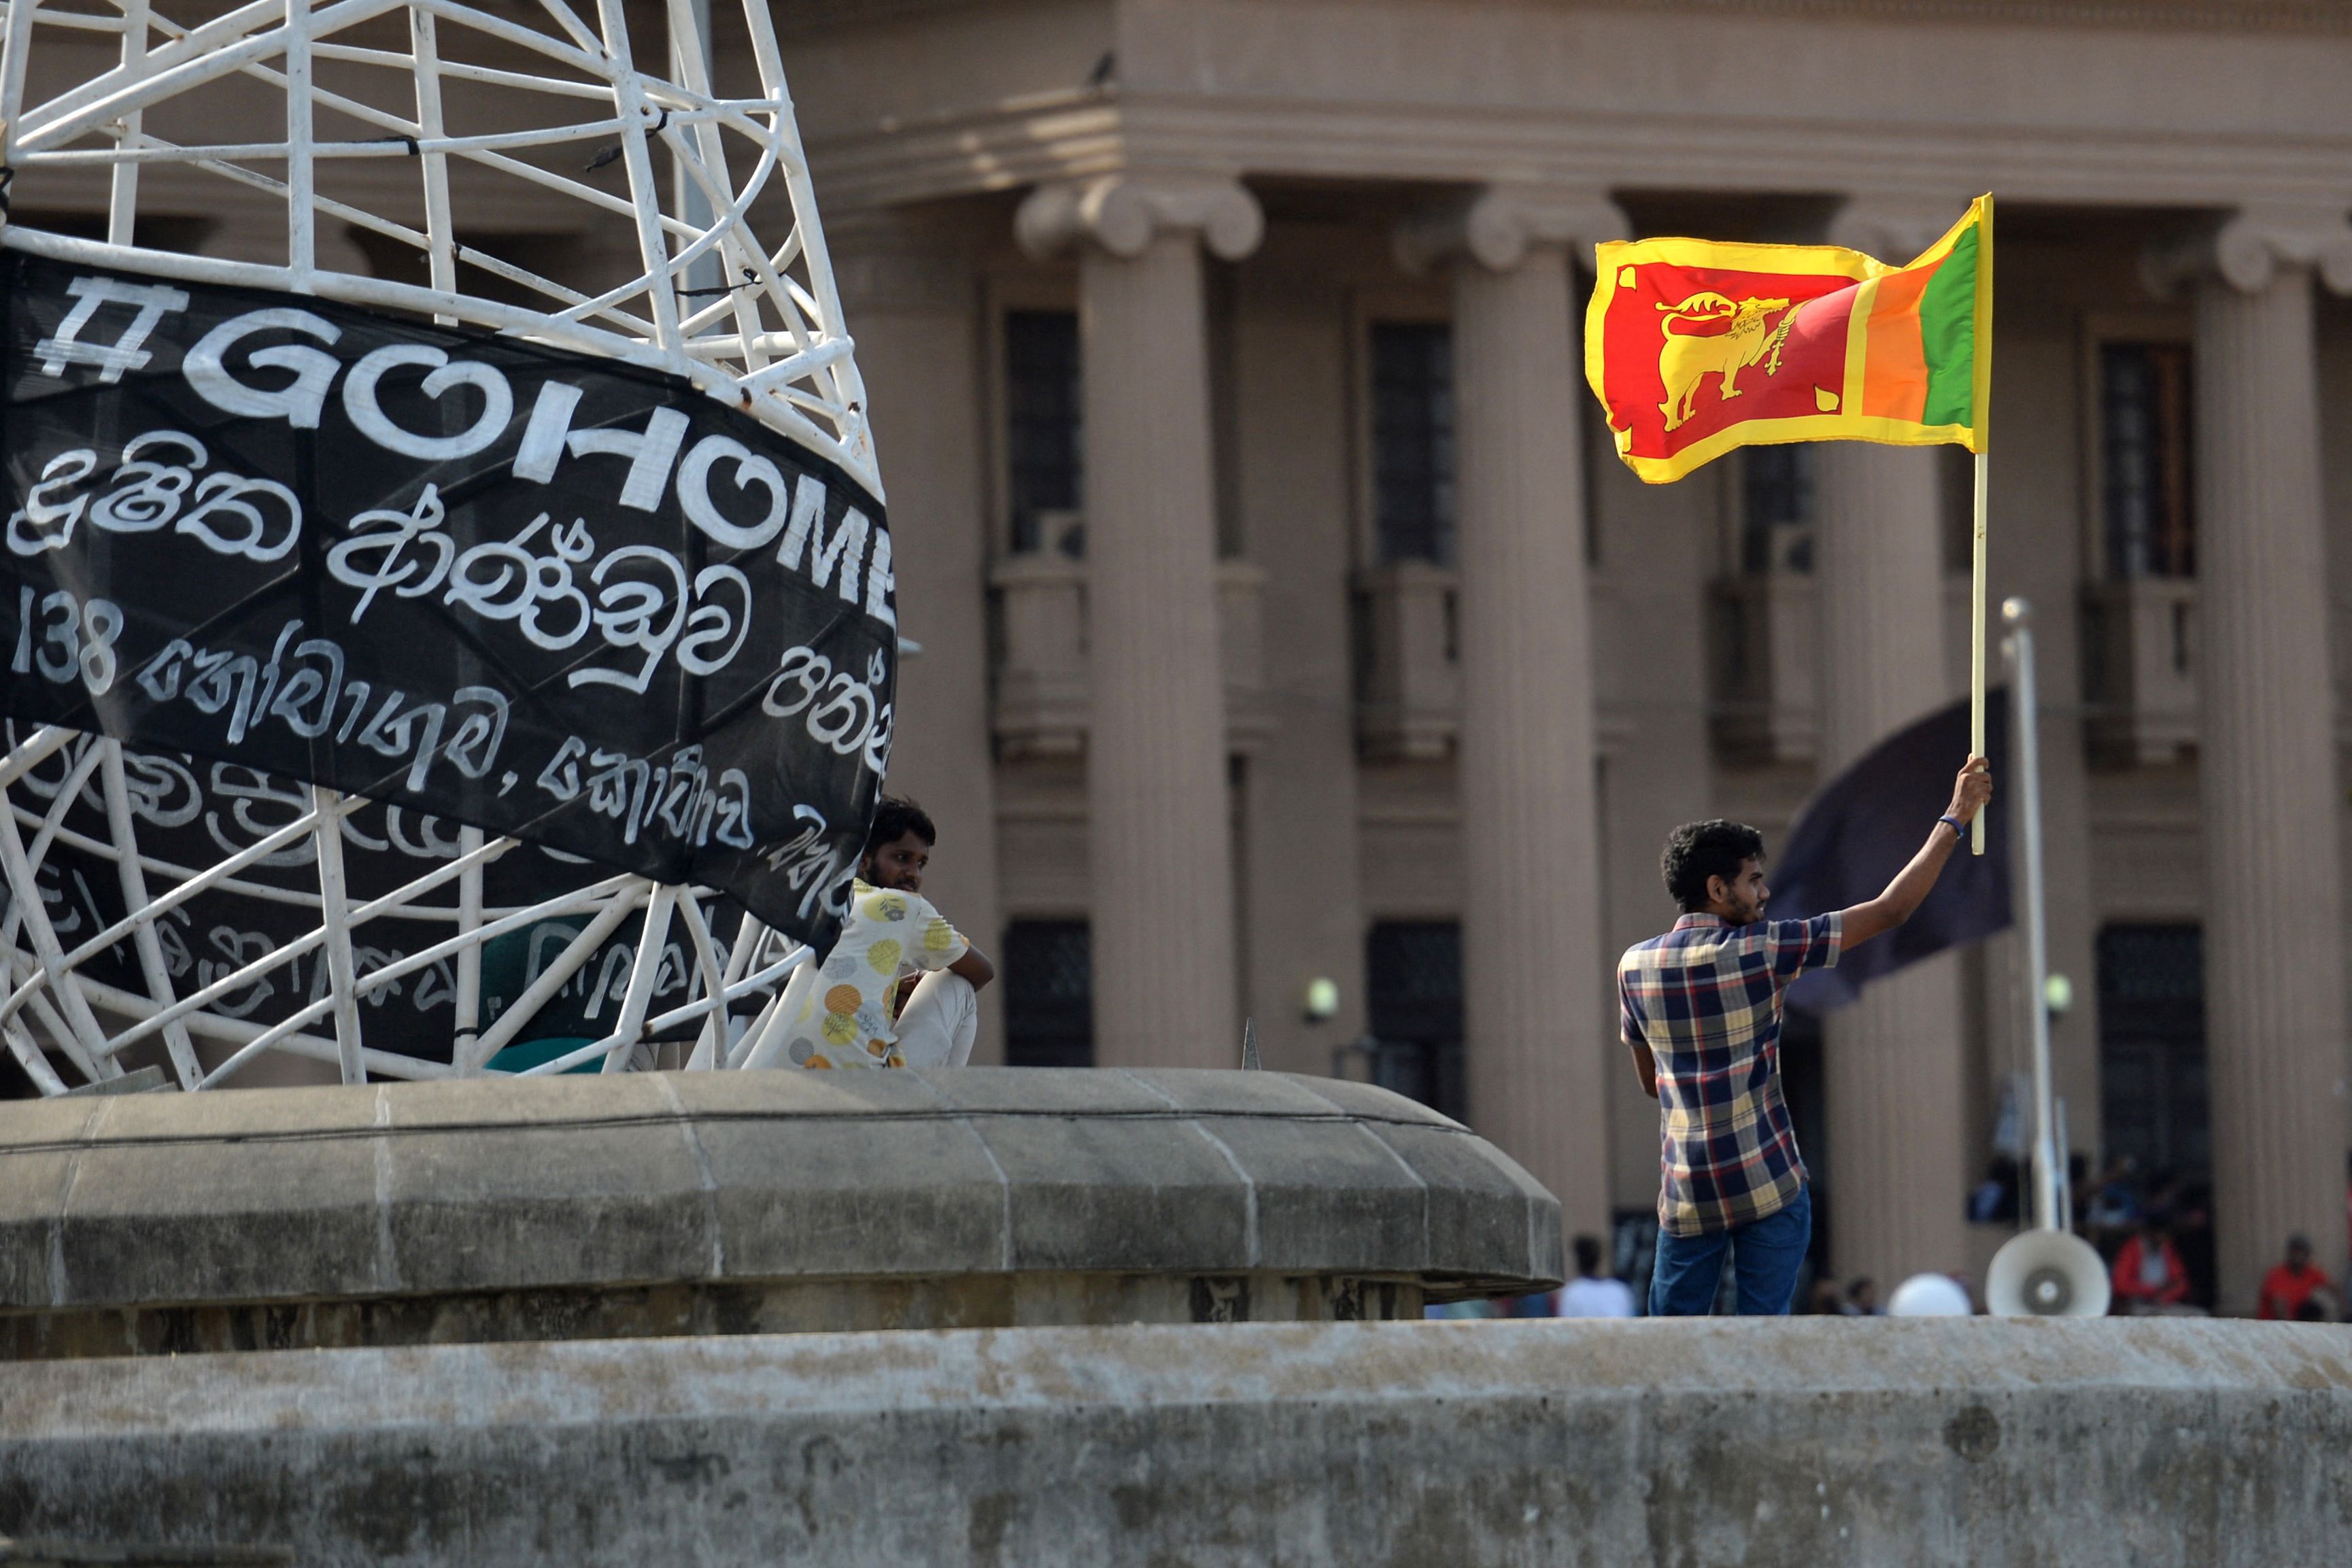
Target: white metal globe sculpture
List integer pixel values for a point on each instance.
(382, 126)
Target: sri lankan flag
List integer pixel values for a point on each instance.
(1694, 347)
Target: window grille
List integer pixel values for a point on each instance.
(1048, 995)
(1044, 424)
(2152, 1047)
(1412, 440)
(2145, 434)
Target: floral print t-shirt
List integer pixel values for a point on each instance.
(842, 1013)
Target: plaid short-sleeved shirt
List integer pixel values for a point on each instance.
(1705, 999)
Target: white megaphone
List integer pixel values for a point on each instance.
(2048, 1271)
(2047, 1274)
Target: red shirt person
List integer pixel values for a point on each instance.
(2290, 1284)
(2148, 1273)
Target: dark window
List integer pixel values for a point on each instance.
(2152, 1047)
(1412, 440)
(1414, 995)
(2144, 446)
(1776, 510)
(2153, 1106)
(1044, 425)
(1048, 995)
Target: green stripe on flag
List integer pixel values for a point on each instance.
(1947, 333)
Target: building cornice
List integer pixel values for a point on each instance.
(1090, 134)
(2203, 15)
(805, 16)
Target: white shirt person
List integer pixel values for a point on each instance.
(1593, 1294)
(845, 1011)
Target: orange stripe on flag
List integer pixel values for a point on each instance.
(1895, 373)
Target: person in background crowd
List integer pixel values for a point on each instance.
(1995, 1198)
(1823, 1300)
(854, 1010)
(2289, 1285)
(2116, 1205)
(2149, 1276)
(1593, 1294)
(1862, 1298)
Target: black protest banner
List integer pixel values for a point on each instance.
(557, 597)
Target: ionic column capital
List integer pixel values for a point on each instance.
(1499, 226)
(1893, 228)
(1124, 213)
(2249, 246)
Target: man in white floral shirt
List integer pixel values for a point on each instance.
(900, 987)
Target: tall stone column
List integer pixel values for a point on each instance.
(1540, 1009)
(2274, 1016)
(1159, 826)
(908, 290)
(1897, 1178)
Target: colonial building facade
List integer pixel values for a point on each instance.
(1293, 648)
(1286, 618)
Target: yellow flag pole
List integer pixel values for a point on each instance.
(1977, 648)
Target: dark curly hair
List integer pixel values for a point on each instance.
(894, 819)
(1697, 850)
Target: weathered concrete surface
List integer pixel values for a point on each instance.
(733, 1203)
(2136, 1444)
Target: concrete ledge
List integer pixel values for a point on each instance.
(694, 1202)
(2134, 1443)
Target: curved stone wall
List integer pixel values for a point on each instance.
(742, 1203)
(1831, 1443)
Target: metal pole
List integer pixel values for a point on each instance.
(2046, 1155)
(1977, 636)
(2065, 1183)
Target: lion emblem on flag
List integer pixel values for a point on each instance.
(1710, 334)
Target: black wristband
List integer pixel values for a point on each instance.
(1958, 831)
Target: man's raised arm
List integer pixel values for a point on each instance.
(1914, 882)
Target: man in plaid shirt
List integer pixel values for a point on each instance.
(1701, 1008)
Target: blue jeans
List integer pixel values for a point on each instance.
(1765, 1255)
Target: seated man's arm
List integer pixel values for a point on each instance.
(1914, 882)
(974, 966)
(939, 938)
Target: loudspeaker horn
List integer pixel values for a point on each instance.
(2047, 1274)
